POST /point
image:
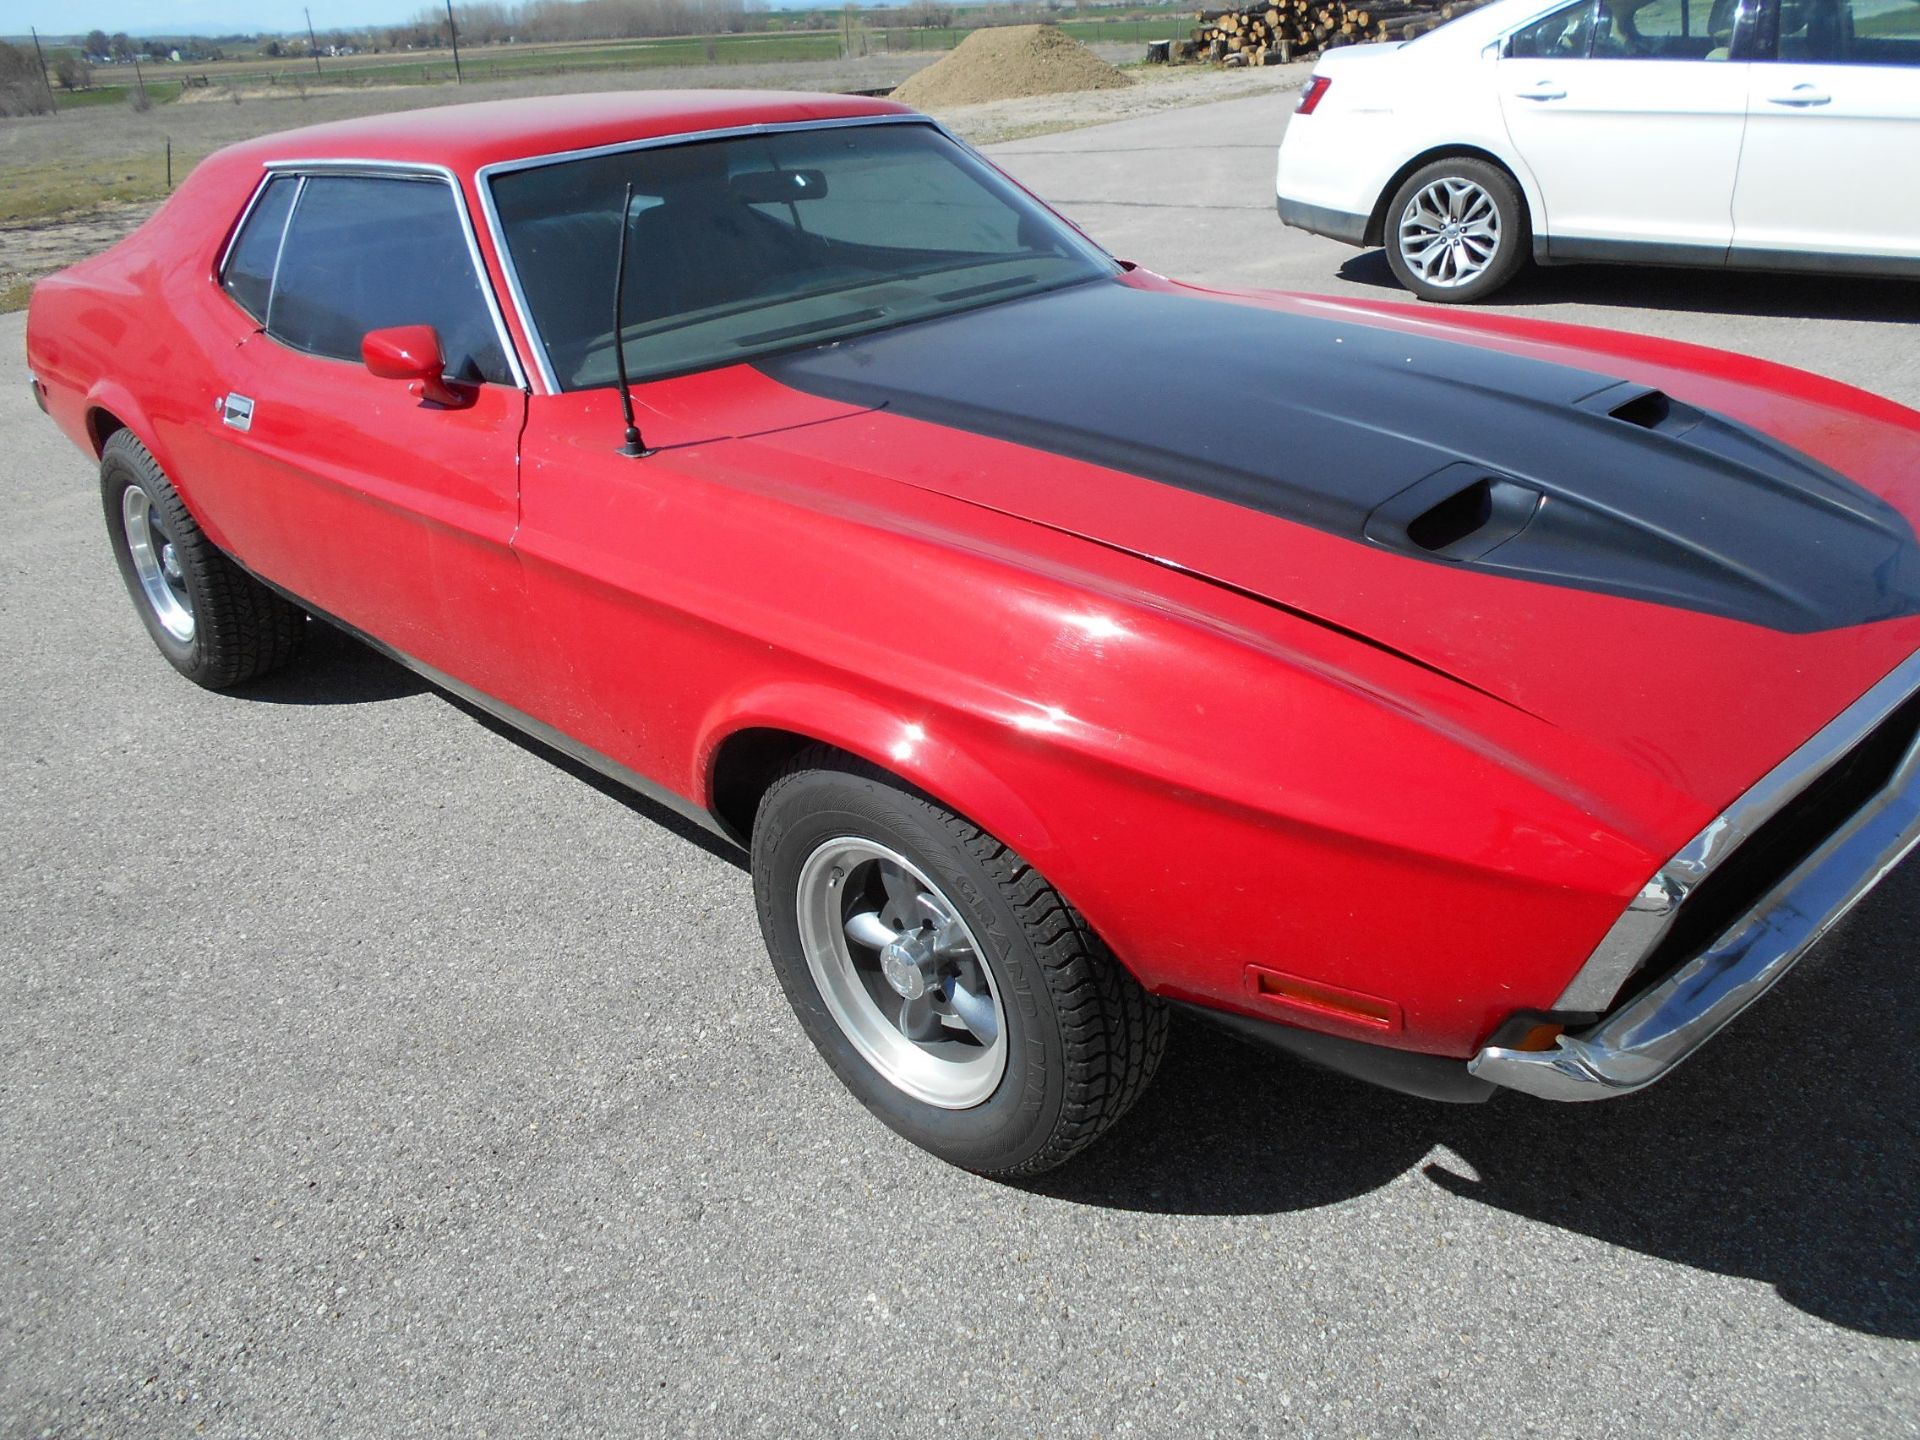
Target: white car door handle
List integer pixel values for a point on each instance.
(1801, 96)
(1545, 90)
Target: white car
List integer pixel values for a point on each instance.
(1752, 134)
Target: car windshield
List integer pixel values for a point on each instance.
(740, 247)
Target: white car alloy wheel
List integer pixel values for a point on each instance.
(1457, 230)
(1449, 232)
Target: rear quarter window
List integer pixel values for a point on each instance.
(248, 275)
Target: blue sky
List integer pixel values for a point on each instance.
(204, 17)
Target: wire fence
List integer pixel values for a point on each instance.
(507, 63)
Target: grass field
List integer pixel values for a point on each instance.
(98, 154)
(34, 192)
(505, 62)
(159, 92)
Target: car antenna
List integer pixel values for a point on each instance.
(635, 448)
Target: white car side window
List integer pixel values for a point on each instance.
(1664, 29)
(1563, 35)
(1632, 30)
(1865, 32)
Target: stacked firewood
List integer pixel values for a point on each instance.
(1283, 30)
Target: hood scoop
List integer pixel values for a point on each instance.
(1446, 452)
(1648, 409)
(1718, 519)
(1459, 513)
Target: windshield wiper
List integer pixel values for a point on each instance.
(808, 327)
(987, 289)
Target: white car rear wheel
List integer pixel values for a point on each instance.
(1456, 231)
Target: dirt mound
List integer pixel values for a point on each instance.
(1009, 63)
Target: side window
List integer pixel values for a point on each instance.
(1663, 30)
(1866, 32)
(366, 252)
(1559, 36)
(248, 276)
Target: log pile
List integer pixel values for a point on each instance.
(1283, 30)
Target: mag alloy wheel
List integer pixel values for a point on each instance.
(1450, 232)
(156, 564)
(955, 993)
(213, 622)
(900, 973)
(1457, 230)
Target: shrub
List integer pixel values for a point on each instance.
(23, 85)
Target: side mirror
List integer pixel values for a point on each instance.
(412, 352)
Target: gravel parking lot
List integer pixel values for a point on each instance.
(365, 1071)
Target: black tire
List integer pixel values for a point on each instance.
(239, 629)
(1083, 1038)
(1512, 246)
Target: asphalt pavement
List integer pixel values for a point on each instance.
(365, 1071)
(1190, 193)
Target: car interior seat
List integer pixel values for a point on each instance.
(703, 246)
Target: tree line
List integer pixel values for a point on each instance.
(492, 23)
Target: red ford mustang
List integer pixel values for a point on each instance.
(1485, 704)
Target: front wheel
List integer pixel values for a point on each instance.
(959, 997)
(1457, 231)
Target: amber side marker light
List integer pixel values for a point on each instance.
(1538, 1037)
(1316, 1001)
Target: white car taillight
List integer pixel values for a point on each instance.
(1316, 90)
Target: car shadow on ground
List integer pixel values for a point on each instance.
(1788, 1153)
(335, 669)
(649, 810)
(1658, 287)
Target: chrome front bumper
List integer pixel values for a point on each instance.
(1657, 1029)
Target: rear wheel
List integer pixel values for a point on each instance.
(215, 623)
(1457, 231)
(959, 997)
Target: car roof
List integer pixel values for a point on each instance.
(466, 137)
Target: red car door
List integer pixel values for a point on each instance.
(375, 506)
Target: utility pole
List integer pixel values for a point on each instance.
(313, 45)
(454, 35)
(45, 79)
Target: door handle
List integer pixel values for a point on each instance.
(1544, 90)
(234, 410)
(1800, 97)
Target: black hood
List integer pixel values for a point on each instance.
(1441, 450)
